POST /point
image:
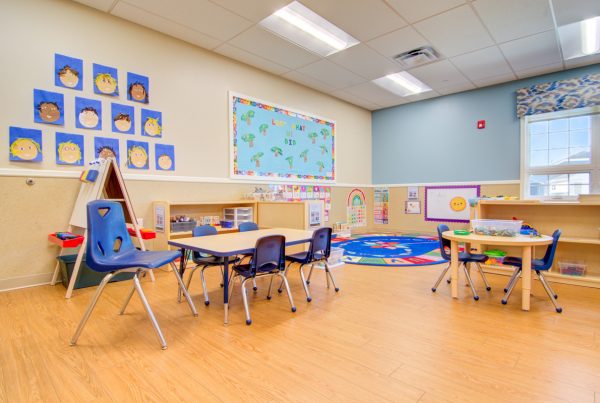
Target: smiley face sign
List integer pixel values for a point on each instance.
(458, 203)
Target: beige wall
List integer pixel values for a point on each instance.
(188, 84)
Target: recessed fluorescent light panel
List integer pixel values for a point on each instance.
(303, 27)
(402, 84)
(580, 38)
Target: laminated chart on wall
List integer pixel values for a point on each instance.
(301, 193)
(449, 203)
(272, 142)
(356, 209)
(381, 199)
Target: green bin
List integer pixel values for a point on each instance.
(87, 276)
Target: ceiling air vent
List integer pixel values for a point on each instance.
(417, 57)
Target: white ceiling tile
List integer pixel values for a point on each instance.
(503, 78)
(417, 10)
(539, 70)
(363, 19)
(375, 94)
(532, 51)
(454, 32)
(309, 81)
(103, 5)
(160, 24)
(505, 24)
(252, 10)
(569, 11)
(200, 15)
(422, 96)
(331, 73)
(248, 58)
(452, 89)
(440, 76)
(262, 43)
(399, 41)
(365, 62)
(353, 99)
(583, 61)
(488, 62)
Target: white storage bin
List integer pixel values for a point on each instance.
(238, 215)
(336, 257)
(496, 227)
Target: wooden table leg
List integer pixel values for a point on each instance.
(454, 268)
(526, 277)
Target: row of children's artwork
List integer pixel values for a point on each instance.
(49, 108)
(27, 145)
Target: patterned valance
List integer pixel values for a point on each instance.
(560, 95)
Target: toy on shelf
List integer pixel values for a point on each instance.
(527, 229)
(65, 239)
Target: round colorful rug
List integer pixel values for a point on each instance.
(390, 250)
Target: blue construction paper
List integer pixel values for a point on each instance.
(119, 115)
(151, 123)
(164, 157)
(88, 113)
(48, 107)
(137, 154)
(105, 80)
(68, 72)
(105, 147)
(69, 149)
(25, 144)
(138, 88)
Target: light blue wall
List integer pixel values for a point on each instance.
(437, 140)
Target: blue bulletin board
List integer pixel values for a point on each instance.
(271, 142)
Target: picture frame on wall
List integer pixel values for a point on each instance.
(412, 207)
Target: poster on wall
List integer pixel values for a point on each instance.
(356, 209)
(449, 203)
(48, 107)
(381, 198)
(137, 154)
(123, 118)
(151, 123)
(412, 207)
(296, 193)
(68, 72)
(105, 80)
(24, 144)
(273, 142)
(88, 113)
(69, 149)
(138, 88)
(165, 157)
(105, 147)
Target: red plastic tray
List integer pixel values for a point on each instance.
(146, 233)
(65, 243)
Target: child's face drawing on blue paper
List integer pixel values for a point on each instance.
(88, 117)
(49, 111)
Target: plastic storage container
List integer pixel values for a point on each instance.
(336, 256)
(227, 223)
(497, 227)
(183, 226)
(238, 215)
(572, 269)
(495, 256)
(87, 277)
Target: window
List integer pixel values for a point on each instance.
(560, 154)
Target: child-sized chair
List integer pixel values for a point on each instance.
(540, 266)
(244, 227)
(268, 260)
(110, 250)
(463, 258)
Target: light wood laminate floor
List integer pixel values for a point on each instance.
(384, 337)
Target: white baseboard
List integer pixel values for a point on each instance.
(31, 280)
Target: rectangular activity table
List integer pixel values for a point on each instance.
(228, 245)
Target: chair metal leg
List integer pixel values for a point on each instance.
(555, 295)
(254, 287)
(440, 278)
(289, 293)
(549, 291)
(470, 282)
(189, 280)
(487, 285)
(327, 277)
(301, 270)
(90, 307)
(184, 290)
(231, 283)
(204, 289)
(310, 274)
(286, 271)
(138, 288)
(330, 275)
(270, 285)
(511, 286)
(512, 278)
(245, 299)
(126, 302)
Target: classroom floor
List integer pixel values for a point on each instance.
(384, 337)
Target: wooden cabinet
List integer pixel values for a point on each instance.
(580, 240)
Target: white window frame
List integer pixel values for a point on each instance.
(593, 167)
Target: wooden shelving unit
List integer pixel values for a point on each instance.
(580, 240)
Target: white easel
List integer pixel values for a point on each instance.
(109, 185)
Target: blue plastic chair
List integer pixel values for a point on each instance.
(268, 259)
(463, 258)
(540, 266)
(205, 260)
(318, 251)
(110, 250)
(244, 227)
